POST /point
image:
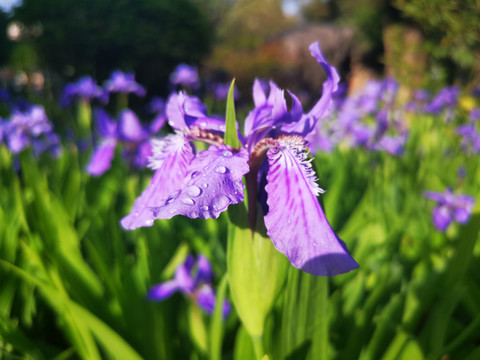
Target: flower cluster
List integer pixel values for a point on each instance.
(128, 132)
(368, 119)
(273, 152)
(29, 128)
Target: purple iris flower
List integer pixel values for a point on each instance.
(446, 98)
(220, 90)
(194, 279)
(128, 132)
(85, 88)
(124, 83)
(470, 138)
(204, 184)
(450, 207)
(185, 76)
(25, 127)
(474, 115)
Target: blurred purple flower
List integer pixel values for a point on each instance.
(85, 88)
(450, 207)
(470, 138)
(193, 279)
(124, 83)
(127, 132)
(474, 115)
(30, 127)
(186, 76)
(274, 152)
(446, 98)
(220, 90)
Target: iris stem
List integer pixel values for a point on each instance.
(258, 346)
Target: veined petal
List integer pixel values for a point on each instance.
(102, 157)
(323, 106)
(214, 182)
(295, 221)
(171, 158)
(163, 291)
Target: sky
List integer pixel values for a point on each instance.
(6, 5)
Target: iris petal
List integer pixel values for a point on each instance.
(171, 159)
(102, 157)
(295, 221)
(214, 182)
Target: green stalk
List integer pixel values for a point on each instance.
(258, 346)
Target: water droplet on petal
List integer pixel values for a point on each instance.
(195, 174)
(205, 215)
(193, 215)
(188, 201)
(204, 185)
(171, 123)
(227, 153)
(221, 202)
(204, 207)
(193, 190)
(221, 169)
(203, 124)
(149, 222)
(136, 214)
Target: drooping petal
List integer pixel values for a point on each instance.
(435, 196)
(171, 159)
(295, 221)
(102, 157)
(441, 217)
(323, 106)
(129, 127)
(163, 291)
(214, 182)
(206, 298)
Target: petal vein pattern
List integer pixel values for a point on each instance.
(171, 160)
(213, 183)
(296, 222)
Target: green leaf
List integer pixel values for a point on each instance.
(216, 325)
(231, 135)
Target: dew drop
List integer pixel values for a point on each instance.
(203, 124)
(136, 214)
(195, 174)
(149, 222)
(205, 215)
(193, 190)
(171, 123)
(188, 201)
(221, 169)
(193, 215)
(227, 153)
(220, 203)
(204, 207)
(204, 185)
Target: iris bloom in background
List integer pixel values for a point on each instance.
(444, 102)
(128, 132)
(450, 207)
(30, 127)
(194, 279)
(85, 89)
(124, 83)
(185, 76)
(220, 90)
(272, 156)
